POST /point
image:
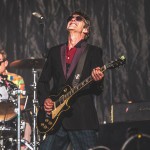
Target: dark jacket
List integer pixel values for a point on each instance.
(82, 114)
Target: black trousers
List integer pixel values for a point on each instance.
(80, 140)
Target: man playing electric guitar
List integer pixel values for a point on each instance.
(80, 124)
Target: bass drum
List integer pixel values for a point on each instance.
(8, 101)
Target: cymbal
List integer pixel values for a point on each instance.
(28, 63)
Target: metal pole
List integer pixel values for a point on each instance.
(18, 93)
(18, 127)
(34, 109)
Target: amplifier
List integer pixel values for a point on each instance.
(123, 112)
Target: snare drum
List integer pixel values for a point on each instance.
(7, 100)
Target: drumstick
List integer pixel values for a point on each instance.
(26, 102)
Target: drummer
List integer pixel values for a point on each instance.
(19, 82)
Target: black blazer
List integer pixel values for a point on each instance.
(82, 114)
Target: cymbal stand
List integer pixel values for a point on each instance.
(17, 110)
(35, 102)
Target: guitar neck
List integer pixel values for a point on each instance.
(78, 87)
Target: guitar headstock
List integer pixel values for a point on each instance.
(116, 63)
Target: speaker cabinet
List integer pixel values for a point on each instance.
(124, 112)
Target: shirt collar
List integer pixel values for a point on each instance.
(80, 43)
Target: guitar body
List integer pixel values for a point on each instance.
(47, 124)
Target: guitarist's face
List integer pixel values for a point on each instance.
(76, 24)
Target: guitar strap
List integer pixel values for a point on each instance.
(79, 67)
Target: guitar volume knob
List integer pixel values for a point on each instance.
(45, 127)
(50, 123)
(46, 120)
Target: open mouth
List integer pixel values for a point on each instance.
(73, 23)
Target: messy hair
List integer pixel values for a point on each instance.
(86, 20)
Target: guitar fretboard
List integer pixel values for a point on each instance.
(77, 88)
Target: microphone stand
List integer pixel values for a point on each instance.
(34, 72)
(42, 23)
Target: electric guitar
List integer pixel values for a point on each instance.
(47, 124)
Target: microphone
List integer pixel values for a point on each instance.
(38, 15)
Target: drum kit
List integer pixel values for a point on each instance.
(12, 123)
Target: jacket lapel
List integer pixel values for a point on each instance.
(63, 59)
(76, 58)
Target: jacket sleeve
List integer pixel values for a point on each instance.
(97, 86)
